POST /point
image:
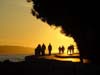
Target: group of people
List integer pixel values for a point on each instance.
(40, 50)
(70, 49)
(61, 49)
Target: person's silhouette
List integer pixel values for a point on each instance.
(37, 50)
(59, 50)
(43, 49)
(70, 49)
(49, 49)
(63, 49)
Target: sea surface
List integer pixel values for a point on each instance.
(13, 58)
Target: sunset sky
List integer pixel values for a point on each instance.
(18, 27)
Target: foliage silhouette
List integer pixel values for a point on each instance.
(78, 19)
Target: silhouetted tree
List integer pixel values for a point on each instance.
(78, 19)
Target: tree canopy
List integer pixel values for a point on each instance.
(77, 18)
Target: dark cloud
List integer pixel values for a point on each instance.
(79, 19)
(29, 0)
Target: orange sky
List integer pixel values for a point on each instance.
(19, 27)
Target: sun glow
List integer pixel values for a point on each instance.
(20, 28)
(53, 35)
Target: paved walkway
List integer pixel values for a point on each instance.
(76, 55)
(65, 57)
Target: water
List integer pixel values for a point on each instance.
(13, 58)
(21, 57)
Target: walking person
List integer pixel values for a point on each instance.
(63, 49)
(49, 49)
(38, 50)
(43, 49)
(59, 49)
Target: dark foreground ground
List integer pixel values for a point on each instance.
(37, 66)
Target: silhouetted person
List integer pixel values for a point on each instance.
(70, 49)
(73, 49)
(43, 49)
(49, 49)
(63, 49)
(37, 50)
(59, 49)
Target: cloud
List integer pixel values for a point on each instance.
(28, 0)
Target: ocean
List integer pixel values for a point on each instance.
(13, 58)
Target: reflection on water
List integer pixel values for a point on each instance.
(66, 57)
(13, 58)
